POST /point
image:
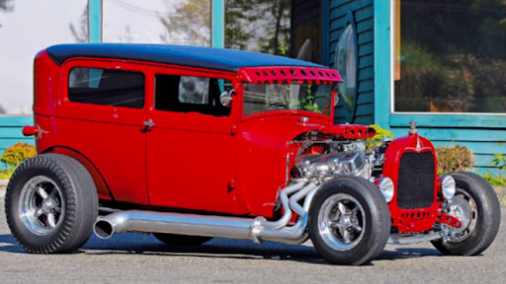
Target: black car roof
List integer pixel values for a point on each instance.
(192, 56)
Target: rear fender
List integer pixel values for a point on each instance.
(103, 191)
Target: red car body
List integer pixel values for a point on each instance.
(158, 167)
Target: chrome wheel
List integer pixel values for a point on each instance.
(463, 207)
(341, 222)
(41, 205)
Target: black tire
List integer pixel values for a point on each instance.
(487, 216)
(77, 197)
(181, 240)
(375, 213)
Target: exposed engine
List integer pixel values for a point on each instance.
(340, 158)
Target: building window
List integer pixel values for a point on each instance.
(346, 65)
(27, 27)
(449, 56)
(282, 27)
(106, 87)
(182, 22)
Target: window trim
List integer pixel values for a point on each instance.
(100, 112)
(384, 114)
(67, 87)
(179, 74)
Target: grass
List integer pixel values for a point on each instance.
(498, 180)
(499, 183)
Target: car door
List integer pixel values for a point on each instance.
(191, 161)
(101, 117)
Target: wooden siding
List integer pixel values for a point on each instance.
(10, 132)
(483, 142)
(363, 14)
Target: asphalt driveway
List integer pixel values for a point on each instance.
(135, 258)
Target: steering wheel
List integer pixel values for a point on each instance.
(277, 105)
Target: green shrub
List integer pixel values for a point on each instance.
(495, 180)
(16, 154)
(6, 174)
(499, 161)
(454, 158)
(380, 133)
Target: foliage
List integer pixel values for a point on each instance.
(380, 133)
(6, 174)
(255, 25)
(258, 25)
(499, 161)
(190, 23)
(495, 180)
(454, 158)
(80, 33)
(16, 154)
(308, 102)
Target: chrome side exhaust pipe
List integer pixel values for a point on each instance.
(173, 223)
(257, 229)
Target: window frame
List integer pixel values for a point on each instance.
(95, 112)
(384, 114)
(197, 106)
(113, 69)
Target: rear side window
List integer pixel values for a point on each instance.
(191, 94)
(106, 87)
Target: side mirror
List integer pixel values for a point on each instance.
(226, 98)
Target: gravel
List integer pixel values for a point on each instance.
(134, 258)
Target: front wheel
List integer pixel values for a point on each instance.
(476, 205)
(349, 221)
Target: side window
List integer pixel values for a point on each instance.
(191, 94)
(106, 87)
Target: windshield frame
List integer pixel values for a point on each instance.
(298, 112)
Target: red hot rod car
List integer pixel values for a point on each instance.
(191, 143)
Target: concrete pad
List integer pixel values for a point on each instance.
(3, 185)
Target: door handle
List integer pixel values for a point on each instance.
(149, 123)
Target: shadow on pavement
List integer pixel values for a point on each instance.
(403, 253)
(9, 244)
(147, 245)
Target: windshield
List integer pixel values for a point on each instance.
(260, 98)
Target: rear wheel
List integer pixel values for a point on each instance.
(349, 221)
(476, 205)
(181, 240)
(51, 204)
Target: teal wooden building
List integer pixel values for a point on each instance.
(401, 60)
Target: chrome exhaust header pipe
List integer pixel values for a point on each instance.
(257, 229)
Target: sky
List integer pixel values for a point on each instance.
(30, 27)
(34, 25)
